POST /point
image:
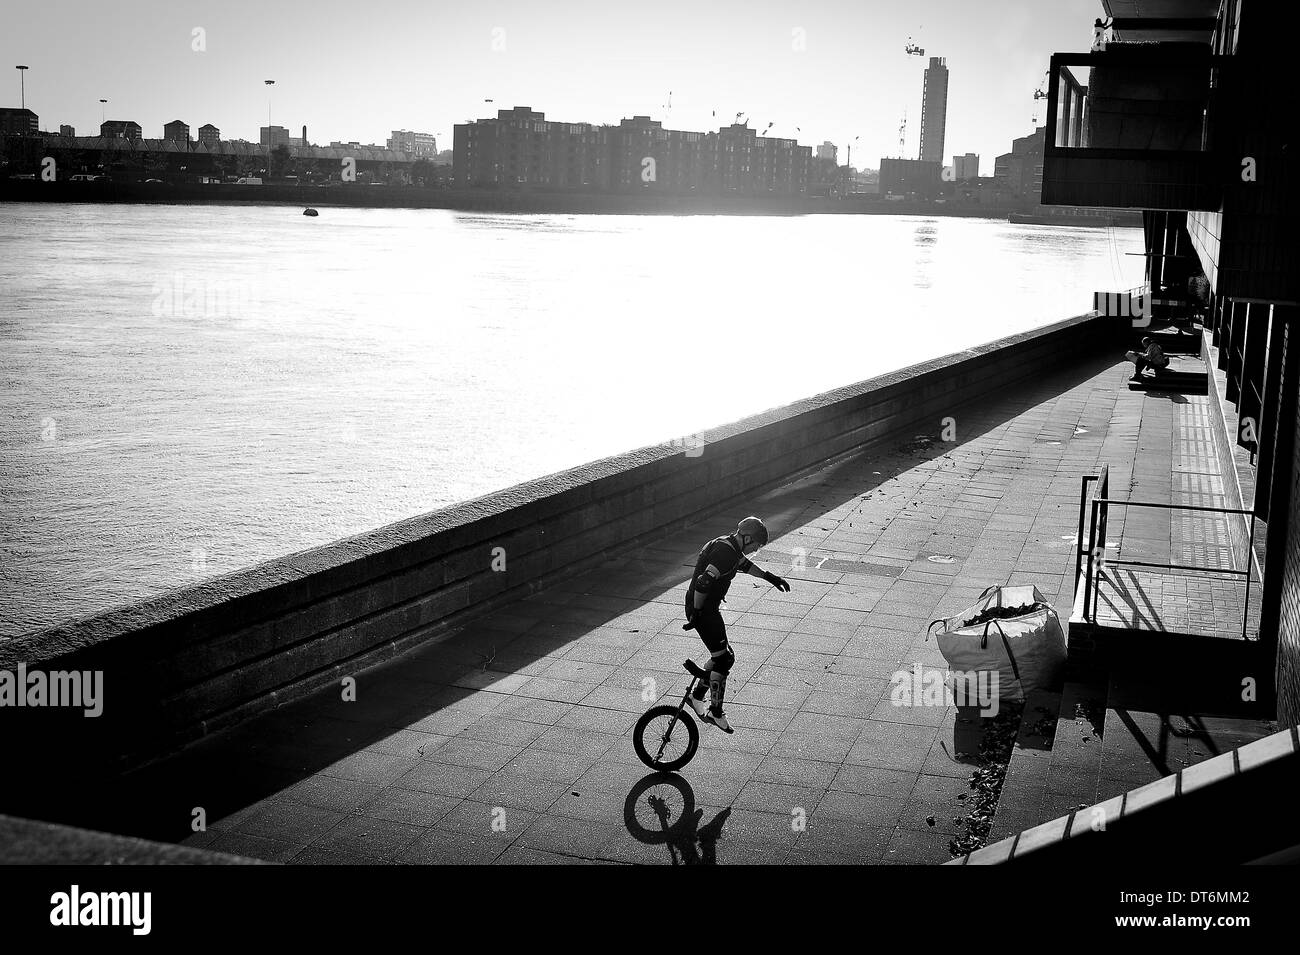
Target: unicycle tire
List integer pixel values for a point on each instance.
(654, 722)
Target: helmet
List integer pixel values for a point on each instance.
(754, 528)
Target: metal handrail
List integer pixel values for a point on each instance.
(1103, 487)
(1100, 512)
(1208, 570)
(1174, 507)
(1078, 539)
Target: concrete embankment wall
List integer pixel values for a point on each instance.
(202, 659)
(26, 842)
(479, 200)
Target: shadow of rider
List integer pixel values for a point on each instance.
(682, 838)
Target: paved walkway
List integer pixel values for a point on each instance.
(509, 741)
(1176, 602)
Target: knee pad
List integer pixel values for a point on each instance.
(723, 662)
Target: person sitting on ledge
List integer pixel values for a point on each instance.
(1099, 31)
(1152, 356)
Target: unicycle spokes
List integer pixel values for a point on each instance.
(665, 738)
(671, 746)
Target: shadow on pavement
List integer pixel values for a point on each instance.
(660, 810)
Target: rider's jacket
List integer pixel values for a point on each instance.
(725, 556)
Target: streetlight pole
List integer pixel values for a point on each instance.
(22, 84)
(102, 115)
(848, 168)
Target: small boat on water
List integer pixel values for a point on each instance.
(310, 212)
(1024, 218)
(1067, 215)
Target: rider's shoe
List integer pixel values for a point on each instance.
(701, 707)
(717, 719)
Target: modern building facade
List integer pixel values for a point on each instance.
(176, 132)
(934, 110)
(827, 150)
(209, 135)
(121, 129)
(1178, 117)
(66, 130)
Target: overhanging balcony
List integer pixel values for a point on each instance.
(1139, 135)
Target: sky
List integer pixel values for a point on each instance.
(818, 70)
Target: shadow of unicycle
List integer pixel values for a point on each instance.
(660, 810)
(660, 807)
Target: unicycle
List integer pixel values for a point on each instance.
(653, 736)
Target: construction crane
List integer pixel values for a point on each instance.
(912, 49)
(1040, 93)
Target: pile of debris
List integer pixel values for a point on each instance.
(986, 782)
(1004, 613)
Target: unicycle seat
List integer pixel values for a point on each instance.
(695, 671)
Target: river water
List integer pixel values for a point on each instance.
(186, 391)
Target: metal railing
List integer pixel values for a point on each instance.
(1095, 552)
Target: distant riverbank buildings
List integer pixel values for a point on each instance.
(965, 167)
(18, 121)
(521, 149)
(121, 129)
(273, 136)
(934, 110)
(919, 178)
(922, 178)
(420, 145)
(1021, 170)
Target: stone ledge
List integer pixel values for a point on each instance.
(1129, 811)
(30, 842)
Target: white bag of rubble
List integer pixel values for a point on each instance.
(1012, 630)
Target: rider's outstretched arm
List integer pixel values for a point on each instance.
(755, 571)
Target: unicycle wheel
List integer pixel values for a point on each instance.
(665, 755)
